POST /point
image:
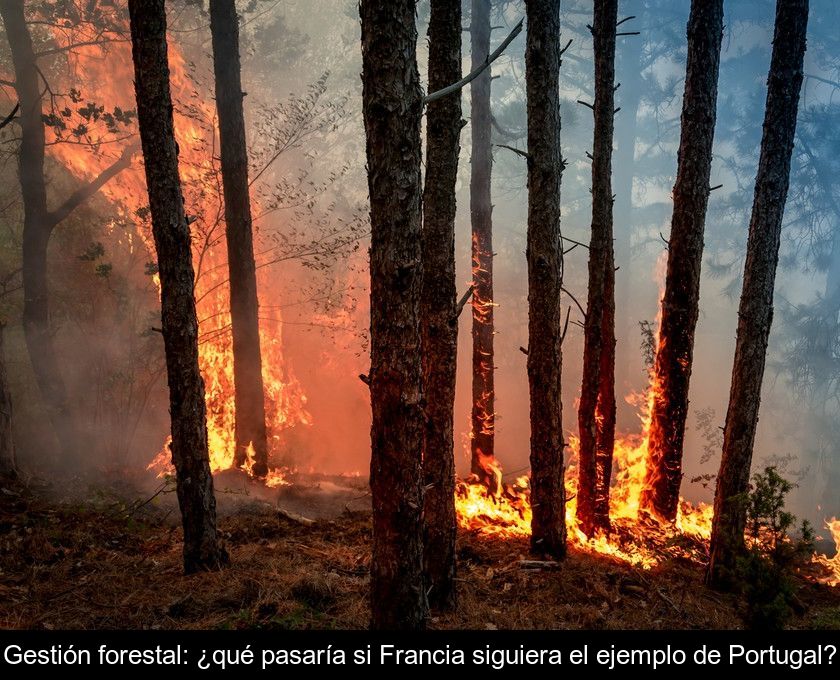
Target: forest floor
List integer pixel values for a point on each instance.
(113, 560)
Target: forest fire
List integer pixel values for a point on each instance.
(635, 538)
(195, 130)
(831, 564)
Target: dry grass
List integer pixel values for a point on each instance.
(108, 563)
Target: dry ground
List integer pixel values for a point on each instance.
(106, 562)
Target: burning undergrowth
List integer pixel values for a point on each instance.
(199, 166)
(503, 510)
(110, 561)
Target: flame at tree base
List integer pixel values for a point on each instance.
(635, 537)
(276, 477)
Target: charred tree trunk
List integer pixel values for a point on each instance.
(37, 229)
(481, 217)
(438, 303)
(392, 107)
(178, 318)
(545, 277)
(680, 303)
(755, 313)
(244, 306)
(8, 464)
(596, 413)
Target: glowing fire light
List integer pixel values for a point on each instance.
(831, 565)
(195, 131)
(635, 537)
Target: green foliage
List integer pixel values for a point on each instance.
(766, 569)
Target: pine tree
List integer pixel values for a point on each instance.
(438, 304)
(545, 277)
(392, 106)
(755, 313)
(179, 324)
(680, 303)
(596, 412)
(244, 305)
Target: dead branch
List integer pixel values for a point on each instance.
(659, 592)
(82, 194)
(8, 119)
(365, 378)
(574, 299)
(577, 243)
(518, 152)
(455, 87)
(459, 307)
(294, 517)
(565, 324)
(539, 565)
(586, 104)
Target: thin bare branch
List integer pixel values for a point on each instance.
(455, 87)
(518, 152)
(459, 307)
(574, 299)
(8, 119)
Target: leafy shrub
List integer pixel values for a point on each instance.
(766, 569)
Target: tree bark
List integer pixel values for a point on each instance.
(37, 229)
(392, 107)
(439, 324)
(755, 312)
(178, 317)
(482, 437)
(545, 277)
(680, 303)
(596, 412)
(244, 306)
(8, 464)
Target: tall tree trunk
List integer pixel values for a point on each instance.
(545, 277)
(392, 107)
(755, 312)
(178, 318)
(244, 306)
(8, 464)
(481, 217)
(680, 303)
(596, 413)
(37, 229)
(439, 316)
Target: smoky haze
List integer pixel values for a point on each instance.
(301, 66)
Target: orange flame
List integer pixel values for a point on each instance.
(831, 565)
(635, 538)
(200, 176)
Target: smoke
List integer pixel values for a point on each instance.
(302, 61)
